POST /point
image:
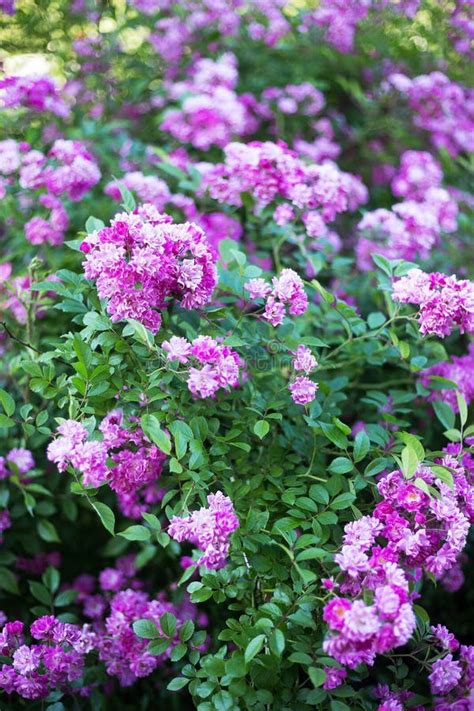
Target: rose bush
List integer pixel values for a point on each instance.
(236, 355)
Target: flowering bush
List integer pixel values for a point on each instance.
(237, 310)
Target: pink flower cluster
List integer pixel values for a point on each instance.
(292, 99)
(73, 171)
(209, 529)
(451, 681)
(143, 261)
(7, 7)
(265, 22)
(445, 301)
(409, 532)
(442, 107)
(220, 365)
(114, 608)
(417, 173)
(303, 389)
(272, 172)
(462, 28)
(38, 93)
(340, 19)
(68, 169)
(460, 369)
(413, 227)
(54, 661)
(321, 148)
(287, 292)
(211, 113)
(18, 461)
(137, 463)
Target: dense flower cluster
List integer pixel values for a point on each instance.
(410, 531)
(172, 33)
(340, 18)
(136, 462)
(17, 461)
(212, 120)
(270, 172)
(293, 99)
(68, 169)
(38, 93)
(220, 365)
(451, 681)
(143, 260)
(54, 660)
(303, 389)
(442, 107)
(460, 370)
(209, 529)
(445, 301)
(287, 292)
(462, 28)
(413, 227)
(211, 113)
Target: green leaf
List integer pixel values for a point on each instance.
(376, 319)
(186, 630)
(361, 445)
(8, 403)
(453, 435)
(443, 474)
(317, 676)
(178, 683)
(261, 428)
(341, 465)
(47, 531)
(152, 429)
(152, 521)
(145, 629)
(128, 201)
(413, 442)
(83, 351)
(136, 533)
(343, 501)
(8, 581)
(182, 435)
(66, 597)
(444, 413)
(40, 592)
(6, 421)
(276, 642)
(168, 624)
(254, 647)
(421, 484)
(410, 461)
(105, 514)
(178, 652)
(462, 406)
(93, 224)
(51, 579)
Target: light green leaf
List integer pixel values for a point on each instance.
(261, 428)
(105, 514)
(152, 429)
(136, 533)
(254, 647)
